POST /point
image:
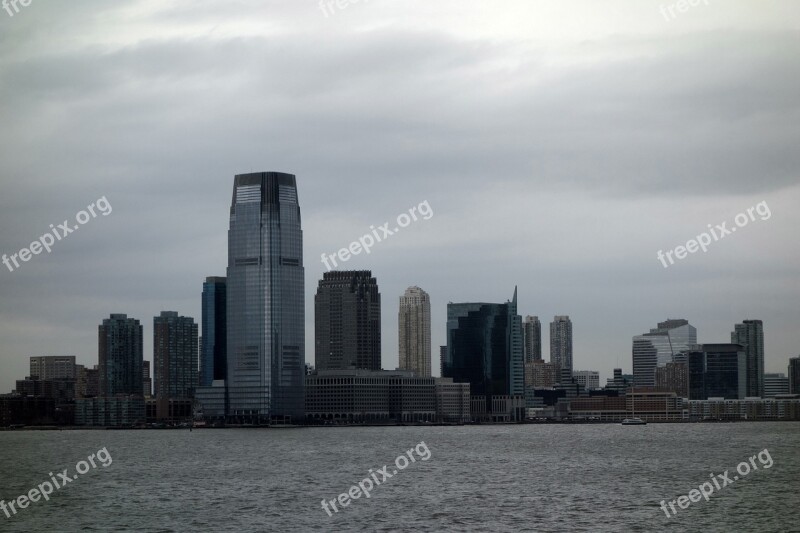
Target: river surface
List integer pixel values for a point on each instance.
(472, 478)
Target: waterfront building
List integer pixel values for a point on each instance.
(532, 339)
(347, 326)
(750, 334)
(120, 356)
(214, 343)
(561, 347)
(659, 347)
(775, 385)
(717, 371)
(265, 306)
(175, 359)
(484, 349)
(414, 332)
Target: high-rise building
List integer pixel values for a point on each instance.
(794, 375)
(347, 328)
(775, 384)
(214, 343)
(48, 367)
(414, 332)
(484, 349)
(717, 371)
(561, 347)
(659, 347)
(147, 380)
(120, 356)
(750, 334)
(265, 305)
(442, 355)
(588, 379)
(174, 356)
(532, 338)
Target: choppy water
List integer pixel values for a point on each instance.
(483, 478)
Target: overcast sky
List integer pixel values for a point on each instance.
(560, 145)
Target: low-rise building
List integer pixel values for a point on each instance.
(369, 396)
(119, 411)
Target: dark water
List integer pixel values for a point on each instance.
(486, 478)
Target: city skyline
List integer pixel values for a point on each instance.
(577, 207)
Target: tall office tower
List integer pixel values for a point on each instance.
(659, 347)
(265, 300)
(213, 345)
(442, 355)
(347, 328)
(49, 367)
(532, 338)
(147, 380)
(120, 356)
(794, 375)
(750, 334)
(717, 371)
(775, 384)
(414, 332)
(174, 356)
(484, 348)
(561, 347)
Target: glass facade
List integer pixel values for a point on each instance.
(750, 334)
(265, 305)
(484, 348)
(659, 347)
(213, 359)
(717, 371)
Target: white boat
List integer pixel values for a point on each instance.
(634, 422)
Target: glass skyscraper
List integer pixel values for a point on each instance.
(717, 371)
(265, 301)
(213, 361)
(750, 334)
(484, 348)
(659, 347)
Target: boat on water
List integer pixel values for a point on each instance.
(634, 422)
